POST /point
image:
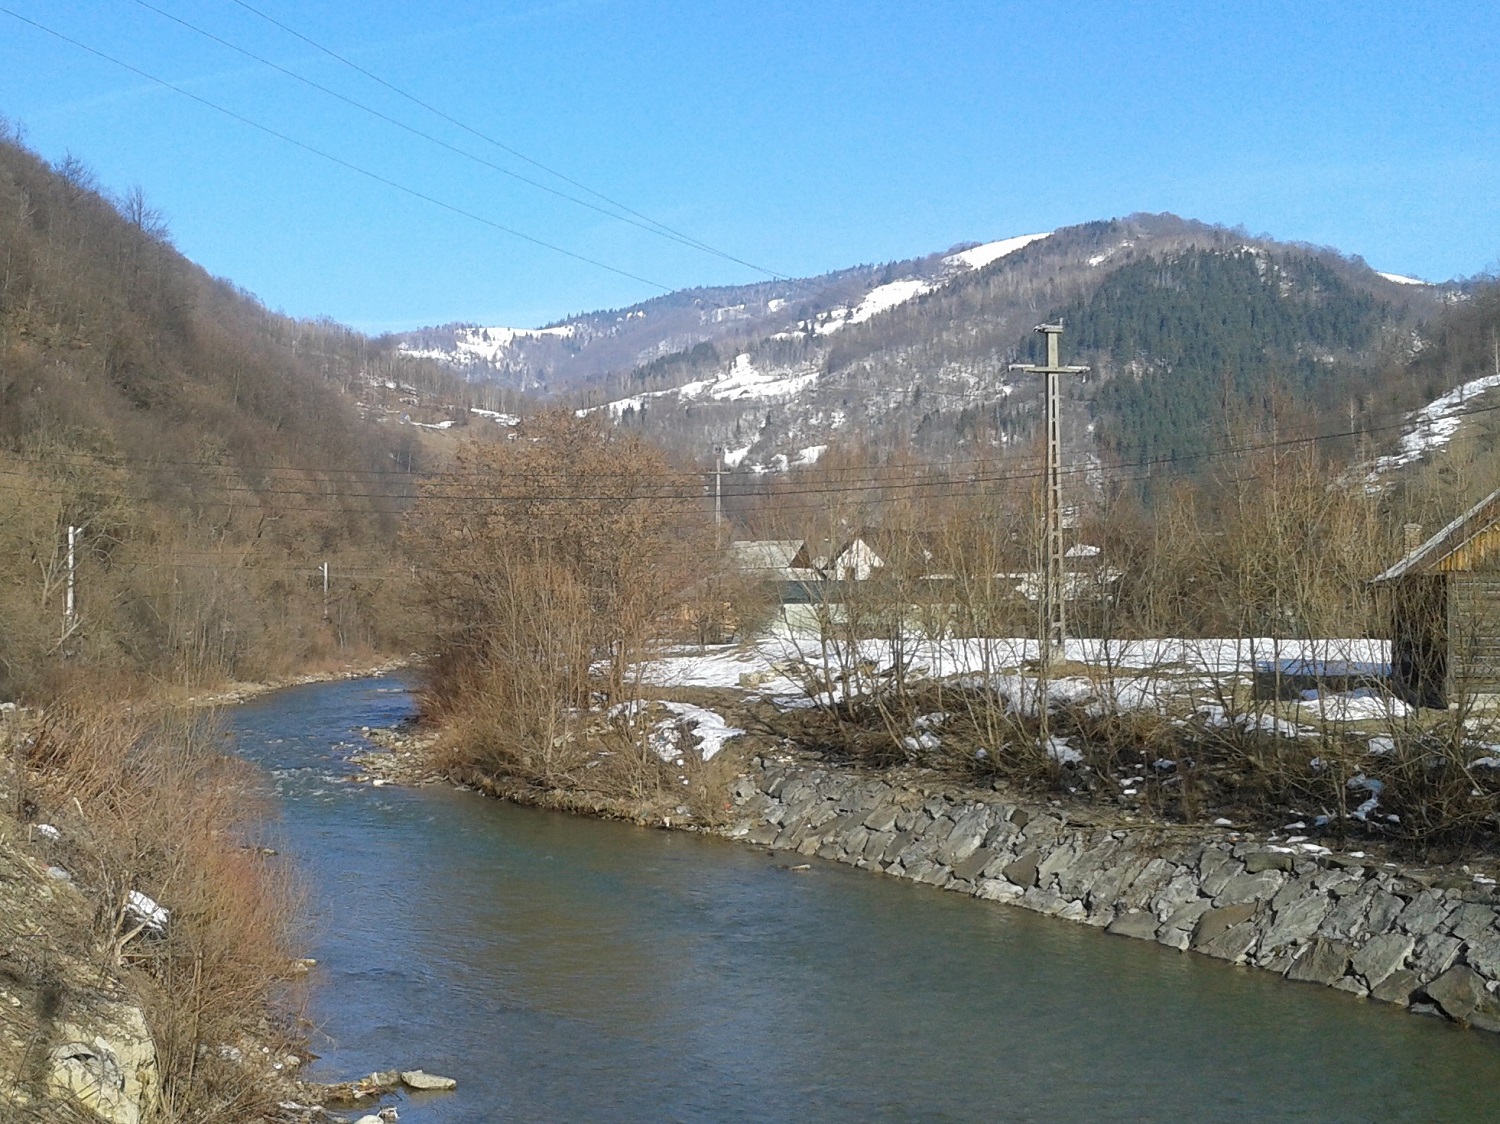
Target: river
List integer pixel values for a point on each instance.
(564, 968)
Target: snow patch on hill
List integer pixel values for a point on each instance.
(743, 381)
(1434, 425)
(484, 345)
(977, 257)
(1398, 279)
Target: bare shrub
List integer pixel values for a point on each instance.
(154, 815)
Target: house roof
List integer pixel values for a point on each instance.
(1458, 546)
(768, 558)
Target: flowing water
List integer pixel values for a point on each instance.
(564, 968)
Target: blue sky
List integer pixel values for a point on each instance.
(799, 137)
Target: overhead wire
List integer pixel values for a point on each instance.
(338, 160)
(503, 146)
(647, 225)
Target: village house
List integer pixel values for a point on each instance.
(1442, 602)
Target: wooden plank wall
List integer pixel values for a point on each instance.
(1473, 633)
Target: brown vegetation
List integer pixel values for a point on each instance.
(550, 566)
(144, 804)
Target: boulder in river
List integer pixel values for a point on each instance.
(419, 1079)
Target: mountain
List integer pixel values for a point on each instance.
(1180, 322)
(211, 456)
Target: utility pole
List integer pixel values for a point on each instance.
(718, 495)
(1053, 621)
(70, 598)
(325, 591)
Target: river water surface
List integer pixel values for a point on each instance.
(564, 969)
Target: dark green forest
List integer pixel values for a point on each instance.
(1183, 344)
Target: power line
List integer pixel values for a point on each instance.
(340, 161)
(661, 226)
(650, 226)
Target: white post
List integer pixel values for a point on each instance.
(325, 591)
(70, 601)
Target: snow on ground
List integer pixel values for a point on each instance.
(785, 647)
(743, 381)
(485, 345)
(1398, 279)
(977, 257)
(1434, 425)
(885, 297)
(708, 728)
(810, 455)
(495, 416)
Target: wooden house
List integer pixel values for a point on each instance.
(1442, 601)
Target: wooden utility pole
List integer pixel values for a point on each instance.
(1053, 622)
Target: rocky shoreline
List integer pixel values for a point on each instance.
(1370, 928)
(1428, 941)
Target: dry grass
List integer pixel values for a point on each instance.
(146, 804)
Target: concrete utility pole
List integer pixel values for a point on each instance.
(718, 495)
(1053, 620)
(70, 598)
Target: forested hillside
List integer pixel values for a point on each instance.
(1182, 342)
(211, 454)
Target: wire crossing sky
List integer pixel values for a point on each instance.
(781, 138)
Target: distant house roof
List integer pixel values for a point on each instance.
(771, 559)
(1460, 546)
(910, 552)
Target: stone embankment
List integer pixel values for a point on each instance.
(1343, 921)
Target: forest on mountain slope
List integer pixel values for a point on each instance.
(208, 451)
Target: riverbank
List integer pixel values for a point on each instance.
(1427, 940)
(230, 694)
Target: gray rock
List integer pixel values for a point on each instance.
(882, 819)
(1346, 920)
(1382, 954)
(1385, 907)
(418, 1079)
(1424, 913)
(971, 867)
(1185, 917)
(1233, 944)
(1397, 987)
(997, 890)
(1023, 871)
(877, 845)
(1046, 902)
(1483, 954)
(1156, 874)
(929, 872)
(1250, 888)
(1217, 921)
(1061, 859)
(1472, 920)
(1135, 923)
(1352, 984)
(958, 847)
(1460, 992)
(1323, 962)
(1297, 920)
(1183, 888)
(1435, 954)
(1258, 861)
